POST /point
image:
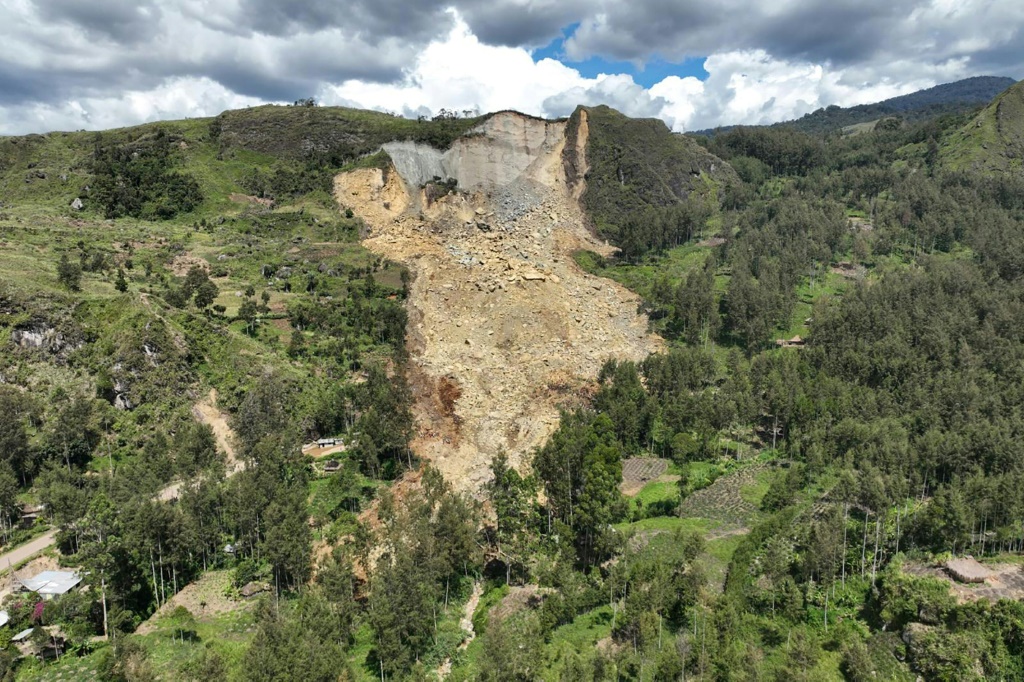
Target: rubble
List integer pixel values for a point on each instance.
(504, 314)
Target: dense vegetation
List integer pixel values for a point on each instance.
(897, 418)
(637, 172)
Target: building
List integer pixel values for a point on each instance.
(4, 618)
(50, 584)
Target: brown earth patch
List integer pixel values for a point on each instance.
(205, 598)
(185, 262)
(249, 199)
(1005, 582)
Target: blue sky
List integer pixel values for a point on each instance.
(649, 72)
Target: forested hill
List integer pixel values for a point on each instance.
(949, 98)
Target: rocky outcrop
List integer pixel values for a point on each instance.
(40, 338)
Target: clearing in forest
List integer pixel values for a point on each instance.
(732, 500)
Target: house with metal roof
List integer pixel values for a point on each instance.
(50, 584)
(22, 636)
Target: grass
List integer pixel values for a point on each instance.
(228, 635)
(993, 140)
(667, 524)
(808, 295)
(654, 492)
(754, 492)
(581, 635)
(641, 278)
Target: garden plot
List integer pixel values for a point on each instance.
(639, 471)
(732, 500)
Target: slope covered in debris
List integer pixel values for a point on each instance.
(505, 327)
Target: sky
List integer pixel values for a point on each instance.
(72, 64)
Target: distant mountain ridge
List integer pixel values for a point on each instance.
(949, 98)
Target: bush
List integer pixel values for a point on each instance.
(245, 572)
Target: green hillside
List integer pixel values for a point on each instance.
(835, 414)
(994, 140)
(641, 172)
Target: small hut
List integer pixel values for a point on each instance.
(332, 466)
(967, 570)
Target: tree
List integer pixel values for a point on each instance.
(121, 284)
(248, 312)
(512, 649)
(9, 511)
(288, 543)
(126, 660)
(512, 498)
(69, 274)
(206, 293)
(14, 445)
(581, 468)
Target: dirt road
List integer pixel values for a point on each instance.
(26, 551)
(206, 412)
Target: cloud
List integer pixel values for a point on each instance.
(65, 60)
(174, 99)
(838, 32)
(460, 72)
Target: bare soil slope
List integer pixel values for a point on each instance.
(504, 327)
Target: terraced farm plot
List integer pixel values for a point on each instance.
(733, 500)
(639, 471)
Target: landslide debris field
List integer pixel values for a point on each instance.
(504, 326)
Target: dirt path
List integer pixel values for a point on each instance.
(206, 412)
(26, 551)
(466, 623)
(504, 327)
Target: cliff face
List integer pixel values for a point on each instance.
(504, 327)
(494, 154)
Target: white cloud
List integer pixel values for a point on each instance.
(743, 87)
(459, 72)
(175, 99)
(84, 70)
